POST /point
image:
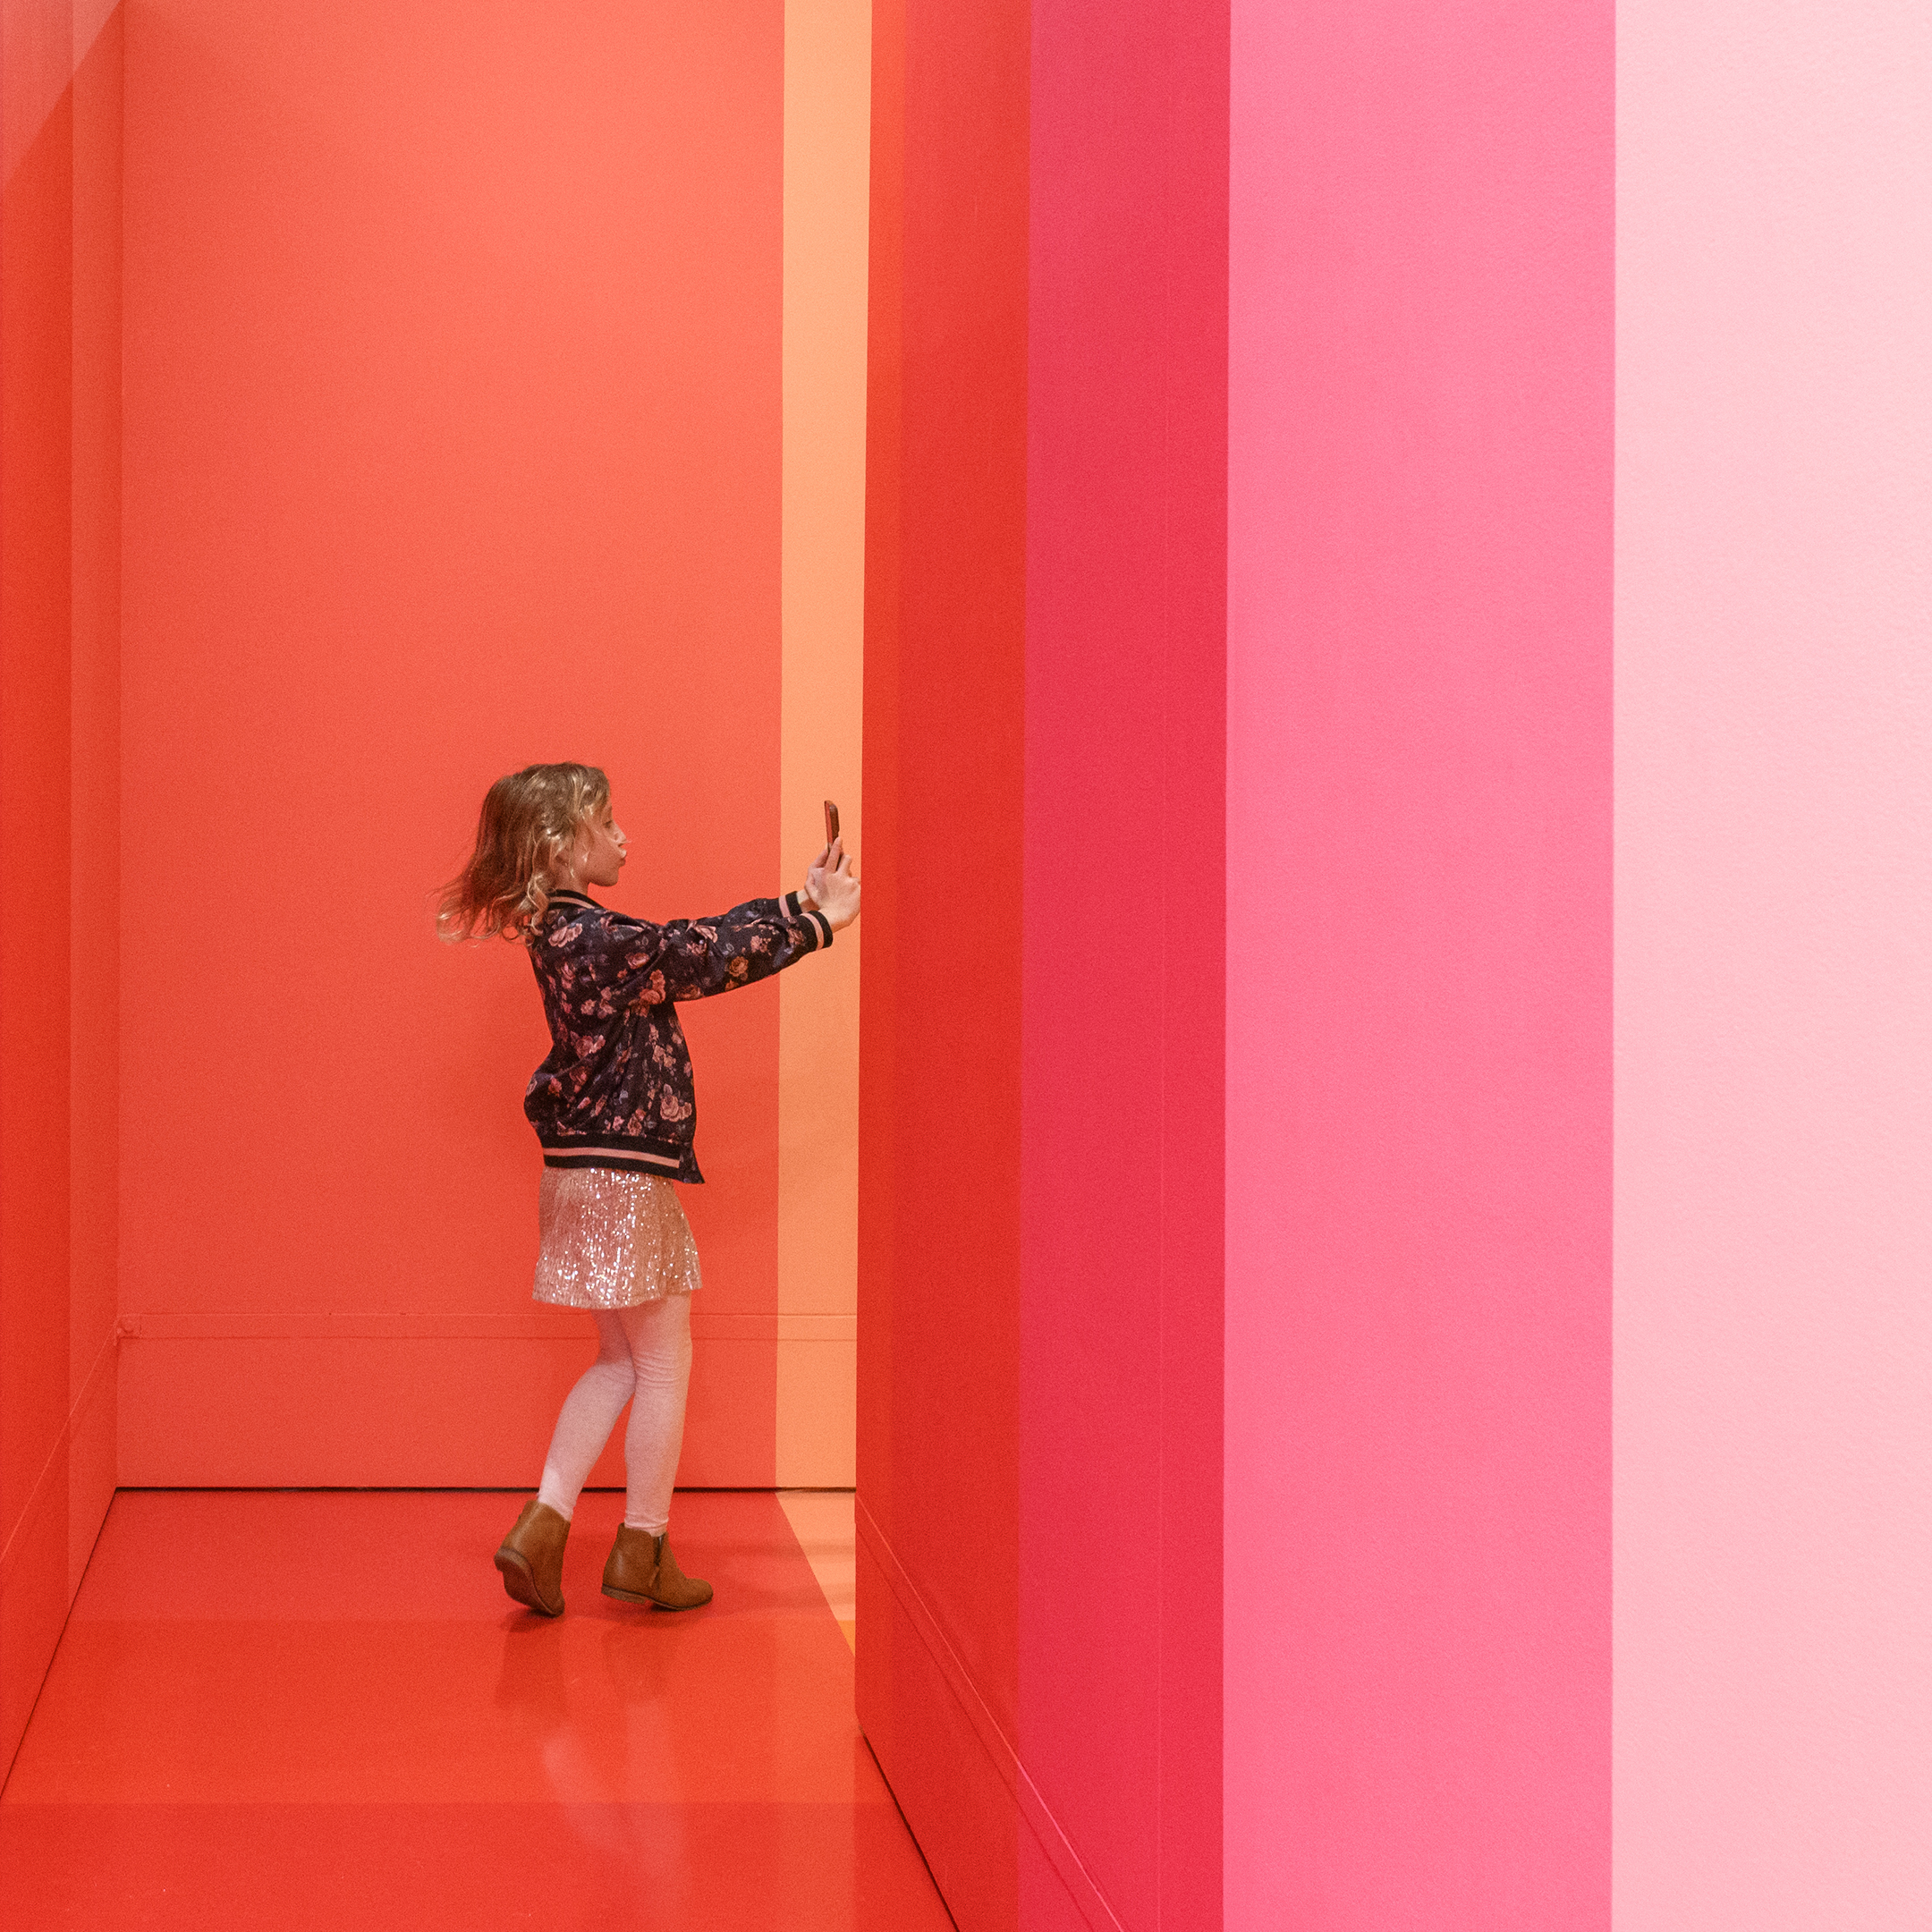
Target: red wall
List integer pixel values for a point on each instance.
(451, 442)
(60, 130)
(1040, 1286)
(939, 1045)
(93, 792)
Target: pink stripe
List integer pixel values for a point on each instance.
(1419, 994)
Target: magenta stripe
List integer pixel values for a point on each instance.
(1417, 1496)
(1121, 1100)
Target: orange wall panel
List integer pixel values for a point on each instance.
(828, 78)
(453, 441)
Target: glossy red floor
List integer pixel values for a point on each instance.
(320, 1710)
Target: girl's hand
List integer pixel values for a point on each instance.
(813, 871)
(830, 885)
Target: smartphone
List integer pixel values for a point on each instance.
(831, 823)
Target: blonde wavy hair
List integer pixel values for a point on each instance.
(528, 820)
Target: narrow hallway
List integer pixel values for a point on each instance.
(317, 1710)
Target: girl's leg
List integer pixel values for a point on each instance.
(589, 1415)
(658, 1334)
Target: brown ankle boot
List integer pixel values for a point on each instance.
(641, 1570)
(531, 1558)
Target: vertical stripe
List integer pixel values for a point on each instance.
(36, 261)
(1417, 1527)
(94, 819)
(939, 1167)
(1774, 976)
(1121, 1028)
(828, 105)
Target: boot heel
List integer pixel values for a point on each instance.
(518, 1580)
(531, 1559)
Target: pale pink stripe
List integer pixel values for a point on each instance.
(1774, 1341)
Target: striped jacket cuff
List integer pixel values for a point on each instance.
(821, 926)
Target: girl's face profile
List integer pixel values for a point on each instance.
(598, 855)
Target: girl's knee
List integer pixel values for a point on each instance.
(617, 1374)
(660, 1346)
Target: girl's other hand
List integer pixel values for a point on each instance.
(830, 887)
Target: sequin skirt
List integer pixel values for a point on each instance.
(608, 1238)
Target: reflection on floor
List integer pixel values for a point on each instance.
(319, 1710)
(822, 1520)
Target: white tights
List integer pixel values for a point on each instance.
(643, 1358)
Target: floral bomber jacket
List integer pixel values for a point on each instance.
(616, 1089)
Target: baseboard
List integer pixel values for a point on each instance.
(93, 1461)
(534, 1324)
(952, 1765)
(959, 1808)
(46, 1549)
(455, 1401)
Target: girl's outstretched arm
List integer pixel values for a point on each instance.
(700, 957)
(752, 941)
(596, 963)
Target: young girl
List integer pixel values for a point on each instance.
(615, 1112)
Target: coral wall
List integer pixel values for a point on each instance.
(453, 441)
(939, 1144)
